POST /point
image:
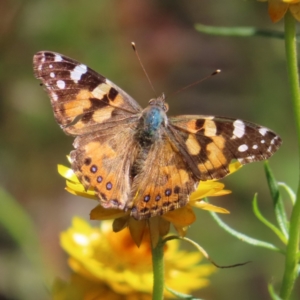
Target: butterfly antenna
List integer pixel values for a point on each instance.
(196, 82)
(139, 59)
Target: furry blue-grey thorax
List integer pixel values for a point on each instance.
(152, 118)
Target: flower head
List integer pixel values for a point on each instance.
(278, 8)
(180, 218)
(105, 262)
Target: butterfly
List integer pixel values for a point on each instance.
(140, 160)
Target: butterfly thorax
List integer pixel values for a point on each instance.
(152, 119)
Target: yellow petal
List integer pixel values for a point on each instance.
(207, 206)
(137, 229)
(164, 227)
(205, 189)
(295, 11)
(181, 217)
(181, 230)
(100, 213)
(221, 193)
(120, 223)
(277, 9)
(76, 190)
(233, 167)
(291, 1)
(67, 173)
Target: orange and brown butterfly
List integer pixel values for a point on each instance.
(139, 160)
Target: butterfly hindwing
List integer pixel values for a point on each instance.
(163, 183)
(102, 162)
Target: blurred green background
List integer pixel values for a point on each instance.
(252, 86)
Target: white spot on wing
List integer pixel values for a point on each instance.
(50, 66)
(254, 147)
(52, 75)
(262, 141)
(78, 72)
(273, 140)
(57, 58)
(239, 128)
(263, 131)
(61, 84)
(243, 148)
(54, 96)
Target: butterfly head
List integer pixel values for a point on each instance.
(160, 101)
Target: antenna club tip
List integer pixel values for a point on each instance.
(216, 72)
(133, 45)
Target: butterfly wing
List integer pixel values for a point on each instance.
(83, 101)
(163, 183)
(103, 161)
(208, 144)
(101, 115)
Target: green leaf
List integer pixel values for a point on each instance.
(277, 201)
(244, 237)
(266, 222)
(180, 295)
(272, 293)
(289, 191)
(238, 31)
(202, 251)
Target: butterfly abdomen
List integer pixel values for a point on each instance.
(147, 132)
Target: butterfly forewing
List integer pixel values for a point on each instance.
(210, 143)
(83, 101)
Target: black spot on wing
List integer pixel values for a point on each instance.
(112, 94)
(199, 124)
(87, 161)
(91, 80)
(98, 103)
(225, 128)
(87, 117)
(176, 189)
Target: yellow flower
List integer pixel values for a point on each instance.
(278, 8)
(81, 288)
(107, 262)
(159, 226)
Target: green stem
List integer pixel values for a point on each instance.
(158, 270)
(290, 272)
